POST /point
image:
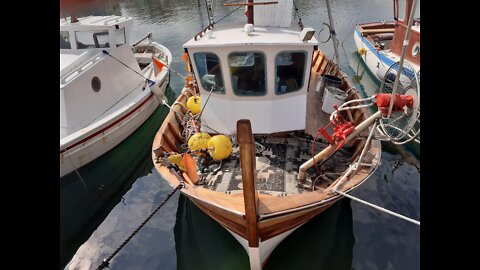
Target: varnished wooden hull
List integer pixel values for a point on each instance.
(277, 216)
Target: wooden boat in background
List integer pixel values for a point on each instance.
(380, 43)
(256, 84)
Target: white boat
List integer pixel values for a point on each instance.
(380, 43)
(108, 87)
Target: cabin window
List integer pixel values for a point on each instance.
(247, 71)
(209, 71)
(290, 71)
(92, 39)
(65, 40)
(120, 37)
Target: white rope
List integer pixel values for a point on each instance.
(166, 104)
(74, 167)
(378, 207)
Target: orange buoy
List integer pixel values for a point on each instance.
(191, 167)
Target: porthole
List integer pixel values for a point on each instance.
(96, 84)
(416, 49)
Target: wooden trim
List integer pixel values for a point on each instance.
(250, 196)
(250, 4)
(270, 228)
(374, 31)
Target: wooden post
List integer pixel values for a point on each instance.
(249, 15)
(250, 196)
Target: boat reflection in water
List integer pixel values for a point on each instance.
(325, 242)
(86, 201)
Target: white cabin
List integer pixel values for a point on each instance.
(262, 76)
(91, 82)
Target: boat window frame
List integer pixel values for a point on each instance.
(299, 86)
(65, 40)
(220, 90)
(122, 41)
(232, 81)
(94, 37)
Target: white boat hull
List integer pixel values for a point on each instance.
(92, 144)
(377, 62)
(259, 255)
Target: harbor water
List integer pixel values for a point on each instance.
(117, 191)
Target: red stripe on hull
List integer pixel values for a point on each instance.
(109, 126)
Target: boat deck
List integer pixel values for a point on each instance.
(277, 163)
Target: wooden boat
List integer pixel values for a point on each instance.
(257, 84)
(108, 88)
(380, 43)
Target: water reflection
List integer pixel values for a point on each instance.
(325, 242)
(85, 201)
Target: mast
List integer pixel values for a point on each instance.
(404, 50)
(250, 12)
(332, 32)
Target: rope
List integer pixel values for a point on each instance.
(75, 168)
(106, 262)
(227, 15)
(149, 81)
(208, 12)
(381, 209)
(298, 15)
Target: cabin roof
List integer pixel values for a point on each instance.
(93, 22)
(233, 35)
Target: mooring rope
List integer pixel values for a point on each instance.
(381, 209)
(148, 80)
(106, 262)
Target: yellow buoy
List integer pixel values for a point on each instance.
(193, 104)
(178, 160)
(362, 51)
(222, 147)
(198, 141)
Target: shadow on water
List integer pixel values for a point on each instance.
(325, 242)
(86, 201)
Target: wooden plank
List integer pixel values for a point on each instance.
(374, 31)
(225, 218)
(250, 4)
(174, 129)
(270, 228)
(247, 161)
(169, 143)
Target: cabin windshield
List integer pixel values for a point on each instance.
(209, 71)
(92, 39)
(65, 40)
(120, 38)
(247, 71)
(290, 71)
